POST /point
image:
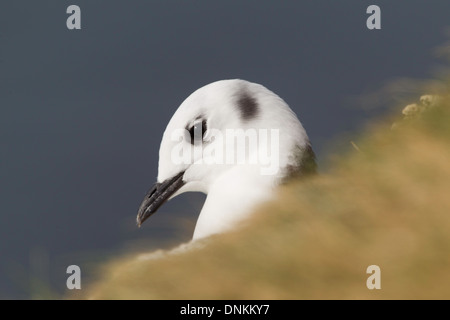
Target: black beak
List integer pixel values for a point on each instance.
(157, 195)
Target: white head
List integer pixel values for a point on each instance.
(226, 127)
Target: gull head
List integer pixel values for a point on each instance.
(228, 135)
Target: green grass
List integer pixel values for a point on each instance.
(387, 204)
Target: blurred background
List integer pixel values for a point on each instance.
(82, 112)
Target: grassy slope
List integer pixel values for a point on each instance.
(388, 205)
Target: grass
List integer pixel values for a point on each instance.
(387, 204)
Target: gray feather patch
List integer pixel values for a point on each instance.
(305, 163)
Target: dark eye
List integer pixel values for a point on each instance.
(197, 131)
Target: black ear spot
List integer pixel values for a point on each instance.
(247, 105)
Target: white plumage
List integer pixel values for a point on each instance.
(208, 118)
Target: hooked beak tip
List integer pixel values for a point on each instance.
(157, 195)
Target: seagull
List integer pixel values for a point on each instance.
(234, 140)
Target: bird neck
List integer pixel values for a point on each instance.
(231, 199)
